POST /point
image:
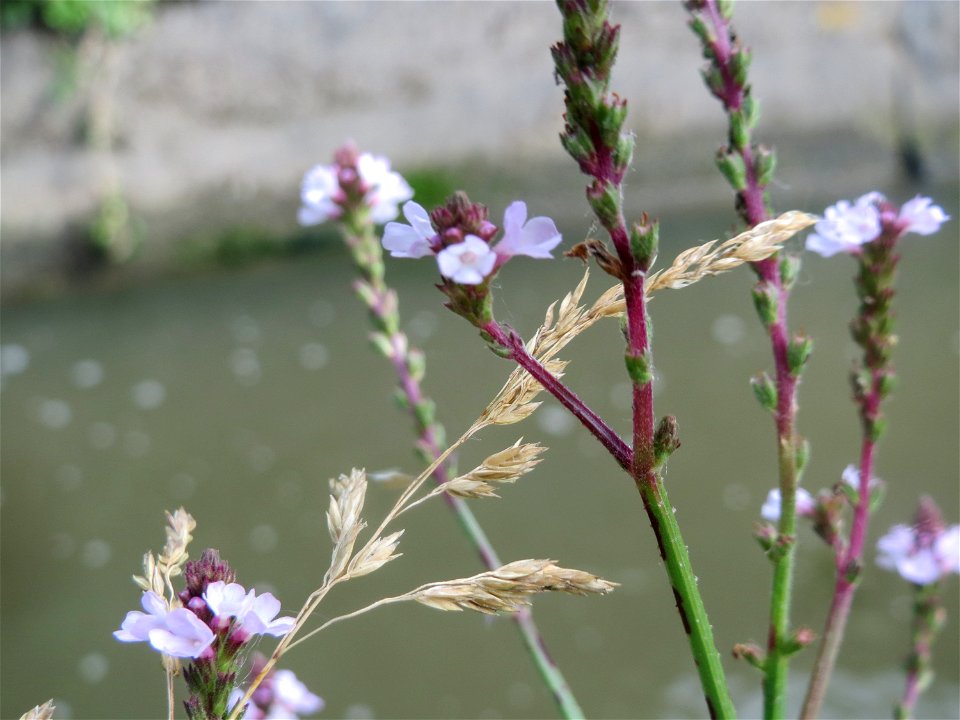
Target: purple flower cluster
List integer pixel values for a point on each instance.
(281, 695)
(323, 190)
(846, 226)
(225, 609)
(470, 259)
(924, 552)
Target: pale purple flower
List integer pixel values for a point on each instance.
(918, 557)
(846, 226)
(387, 188)
(136, 626)
(471, 261)
(280, 695)
(534, 238)
(177, 632)
(261, 617)
(851, 476)
(468, 262)
(322, 195)
(921, 216)
(319, 192)
(413, 240)
(771, 507)
(291, 693)
(255, 615)
(184, 635)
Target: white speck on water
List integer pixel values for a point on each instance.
(322, 313)
(136, 443)
(92, 668)
(245, 329)
(261, 458)
(149, 394)
(423, 325)
(736, 496)
(183, 486)
(588, 639)
(86, 374)
(314, 356)
(96, 553)
(55, 414)
(520, 695)
(69, 477)
(556, 420)
(290, 491)
(245, 365)
(729, 329)
(633, 580)
(102, 435)
(14, 359)
(264, 538)
(62, 546)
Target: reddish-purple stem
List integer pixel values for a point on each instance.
(509, 340)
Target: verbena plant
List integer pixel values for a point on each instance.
(207, 621)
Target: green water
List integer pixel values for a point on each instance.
(238, 394)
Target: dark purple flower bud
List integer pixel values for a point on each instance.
(198, 574)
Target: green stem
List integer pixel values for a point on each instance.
(776, 664)
(688, 598)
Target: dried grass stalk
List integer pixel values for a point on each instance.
(158, 571)
(343, 518)
(757, 243)
(509, 588)
(502, 467)
(40, 712)
(690, 266)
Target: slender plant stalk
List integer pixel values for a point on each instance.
(513, 344)
(872, 383)
(594, 138)
(749, 168)
(929, 616)
(408, 365)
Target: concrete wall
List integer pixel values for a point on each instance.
(234, 101)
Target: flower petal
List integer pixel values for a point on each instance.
(922, 217)
(184, 635)
(468, 262)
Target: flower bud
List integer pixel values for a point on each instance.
(666, 439)
(739, 65)
(789, 269)
(733, 169)
(605, 201)
(644, 240)
(766, 302)
(765, 391)
(639, 368)
(798, 352)
(764, 164)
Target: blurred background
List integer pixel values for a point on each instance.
(171, 337)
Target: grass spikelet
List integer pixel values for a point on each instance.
(40, 712)
(343, 517)
(757, 243)
(158, 571)
(502, 467)
(509, 588)
(375, 555)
